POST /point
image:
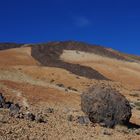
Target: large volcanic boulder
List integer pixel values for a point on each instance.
(106, 106)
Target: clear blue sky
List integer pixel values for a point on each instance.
(111, 23)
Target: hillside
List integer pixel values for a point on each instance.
(4, 46)
(41, 77)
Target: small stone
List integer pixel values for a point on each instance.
(66, 90)
(30, 117)
(21, 115)
(107, 132)
(14, 109)
(40, 119)
(2, 100)
(70, 118)
(7, 105)
(132, 105)
(137, 131)
(83, 120)
(50, 110)
(60, 85)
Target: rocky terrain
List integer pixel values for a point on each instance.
(46, 82)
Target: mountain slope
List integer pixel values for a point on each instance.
(4, 46)
(49, 55)
(53, 75)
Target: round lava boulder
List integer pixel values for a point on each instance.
(106, 106)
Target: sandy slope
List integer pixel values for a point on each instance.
(128, 73)
(18, 56)
(23, 80)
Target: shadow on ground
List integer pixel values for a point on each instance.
(133, 125)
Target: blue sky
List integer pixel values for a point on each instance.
(111, 23)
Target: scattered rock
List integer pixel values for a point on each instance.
(70, 88)
(14, 110)
(7, 105)
(2, 100)
(66, 90)
(83, 120)
(50, 110)
(30, 117)
(3, 103)
(132, 105)
(137, 131)
(106, 105)
(107, 132)
(21, 115)
(60, 85)
(40, 119)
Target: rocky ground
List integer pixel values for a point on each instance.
(54, 93)
(61, 124)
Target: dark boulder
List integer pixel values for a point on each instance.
(14, 110)
(106, 106)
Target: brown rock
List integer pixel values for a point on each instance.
(106, 106)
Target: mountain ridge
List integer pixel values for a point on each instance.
(77, 45)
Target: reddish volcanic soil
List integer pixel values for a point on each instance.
(38, 86)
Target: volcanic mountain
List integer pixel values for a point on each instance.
(53, 75)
